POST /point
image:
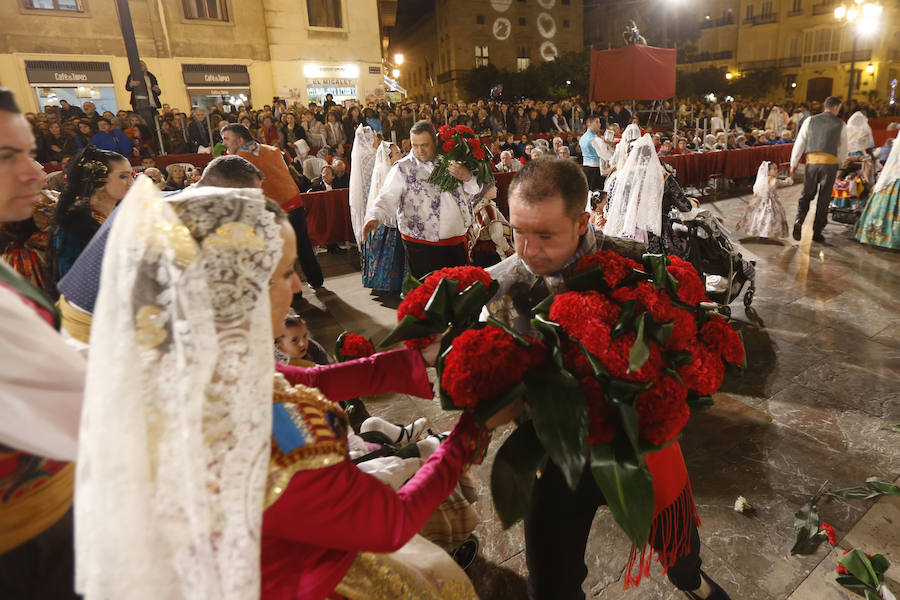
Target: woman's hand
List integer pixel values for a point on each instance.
(431, 351)
(506, 414)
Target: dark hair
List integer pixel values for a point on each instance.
(239, 130)
(104, 119)
(8, 101)
(423, 126)
(294, 321)
(831, 102)
(541, 179)
(230, 172)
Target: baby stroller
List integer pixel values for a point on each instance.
(851, 189)
(704, 243)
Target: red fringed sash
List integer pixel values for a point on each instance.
(674, 515)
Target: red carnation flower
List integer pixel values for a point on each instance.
(446, 132)
(464, 129)
(587, 317)
(705, 372)
(478, 153)
(616, 358)
(841, 569)
(448, 145)
(574, 359)
(829, 531)
(355, 346)
(466, 276)
(648, 298)
(690, 288)
(722, 338)
(614, 266)
(662, 411)
(485, 363)
(684, 329)
(600, 415)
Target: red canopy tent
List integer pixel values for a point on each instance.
(633, 72)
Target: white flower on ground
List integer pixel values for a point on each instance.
(741, 505)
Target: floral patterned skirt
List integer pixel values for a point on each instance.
(764, 217)
(879, 223)
(384, 260)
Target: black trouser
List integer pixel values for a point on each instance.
(305, 253)
(556, 533)
(817, 178)
(43, 568)
(594, 178)
(425, 258)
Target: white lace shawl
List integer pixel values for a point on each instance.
(177, 418)
(761, 185)
(859, 134)
(360, 157)
(381, 166)
(891, 170)
(636, 196)
(631, 134)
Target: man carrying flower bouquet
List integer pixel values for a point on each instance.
(432, 222)
(552, 232)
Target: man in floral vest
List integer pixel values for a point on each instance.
(41, 387)
(551, 233)
(432, 223)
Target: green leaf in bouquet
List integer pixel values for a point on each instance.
(437, 310)
(410, 283)
(627, 488)
(699, 403)
(559, 412)
(518, 337)
(626, 319)
(874, 488)
(880, 564)
(678, 358)
(490, 407)
(806, 525)
(596, 366)
(513, 473)
(543, 307)
(872, 595)
(407, 329)
(627, 391)
(469, 303)
(850, 582)
(661, 333)
(859, 566)
(640, 350)
(587, 280)
(885, 487)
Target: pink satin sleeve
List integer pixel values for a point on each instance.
(342, 508)
(396, 371)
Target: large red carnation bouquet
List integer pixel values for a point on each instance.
(350, 346)
(633, 348)
(460, 144)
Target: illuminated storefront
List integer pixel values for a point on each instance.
(76, 82)
(208, 85)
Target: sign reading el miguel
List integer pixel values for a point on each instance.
(217, 75)
(67, 72)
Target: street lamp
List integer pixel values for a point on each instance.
(868, 24)
(398, 58)
(728, 76)
(395, 73)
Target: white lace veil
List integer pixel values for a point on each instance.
(891, 170)
(761, 185)
(363, 151)
(382, 165)
(859, 134)
(174, 442)
(636, 200)
(620, 156)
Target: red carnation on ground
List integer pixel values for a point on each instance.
(614, 266)
(485, 363)
(841, 569)
(690, 288)
(616, 358)
(662, 411)
(601, 429)
(829, 531)
(448, 145)
(705, 372)
(355, 346)
(648, 298)
(722, 338)
(684, 329)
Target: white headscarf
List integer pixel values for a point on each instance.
(775, 121)
(381, 167)
(636, 201)
(360, 177)
(891, 170)
(173, 448)
(761, 185)
(859, 134)
(631, 134)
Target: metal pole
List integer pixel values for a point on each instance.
(141, 93)
(162, 148)
(852, 66)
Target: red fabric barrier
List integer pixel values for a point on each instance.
(633, 72)
(883, 135)
(328, 217)
(882, 122)
(696, 168)
(503, 180)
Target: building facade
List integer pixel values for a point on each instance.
(800, 38)
(201, 51)
(443, 40)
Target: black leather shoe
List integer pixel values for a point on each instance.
(797, 227)
(818, 237)
(465, 554)
(717, 592)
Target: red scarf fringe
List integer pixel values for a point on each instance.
(675, 523)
